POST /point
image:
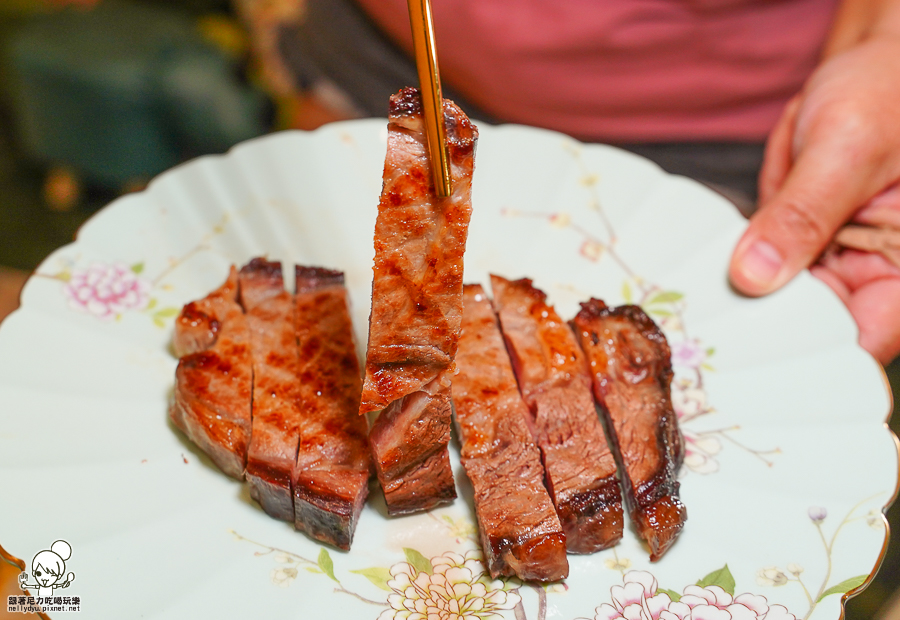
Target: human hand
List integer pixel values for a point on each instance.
(834, 156)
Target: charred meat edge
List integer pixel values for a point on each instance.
(552, 375)
(520, 532)
(630, 363)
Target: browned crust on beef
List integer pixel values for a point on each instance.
(552, 375)
(520, 532)
(405, 109)
(416, 304)
(630, 363)
(328, 504)
(196, 329)
(276, 415)
(333, 465)
(213, 380)
(313, 278)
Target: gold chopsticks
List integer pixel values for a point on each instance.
(430, 88)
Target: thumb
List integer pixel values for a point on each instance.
(822, 190)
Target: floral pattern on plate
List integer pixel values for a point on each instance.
(106, 291)
(456, 586)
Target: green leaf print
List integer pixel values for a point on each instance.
(418, 561)
(665, 297)
(843, 587)
(673, 595)
(722, 578)
(659, 312)
(377, 575)
(166, 313)
(326, 564)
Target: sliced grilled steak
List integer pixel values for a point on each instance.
(551, 372)
(276, 396)
(630, 361)
(409, 441)
(214, 378)
(416, 306)
(333, 463)
(520, 532)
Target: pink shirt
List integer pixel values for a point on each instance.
(625, 70)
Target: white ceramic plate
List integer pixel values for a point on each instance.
(788, 467)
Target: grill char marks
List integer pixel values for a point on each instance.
(416, 307)
(520, 532)
(292, 360)
(553, 378)
(213, 380)
(333, 465)
(419, 245)
(629, 360)
(276, 413)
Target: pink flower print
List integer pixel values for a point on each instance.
(699, 452)
(637, 599)
(560, 220)
(591, 250)
(714, 603)
(688, 353)
(688, 400)
(106, 291)
(817, 514)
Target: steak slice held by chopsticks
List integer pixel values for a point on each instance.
(416, 307)
(520, 532)
(333, 463)
(553, 378)
(276, 413)
(630, 363)
(214, 377)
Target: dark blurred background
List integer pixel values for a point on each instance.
(98, 97)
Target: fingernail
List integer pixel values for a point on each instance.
(761, 263)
